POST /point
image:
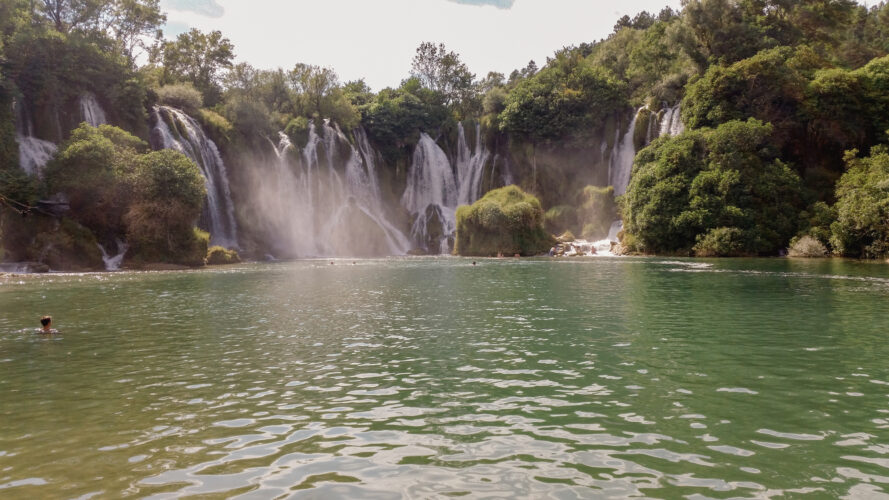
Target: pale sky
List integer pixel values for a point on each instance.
(376, 39)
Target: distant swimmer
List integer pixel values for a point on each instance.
(46, 322)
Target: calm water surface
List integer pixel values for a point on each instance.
(433, 378)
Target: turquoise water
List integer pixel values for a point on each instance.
(426, 378)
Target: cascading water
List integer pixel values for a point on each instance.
(325, 199)
(113, 262)
(624, 153)
(175, 130)
(431, 196)
(435, 188)
(671, 122)
(470, 166)
(90, 110)
(622, 157)
(34, 153)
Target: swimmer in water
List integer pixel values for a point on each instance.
(46, 322)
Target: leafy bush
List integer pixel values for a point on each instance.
(168, 192)
(721, 242)
(806, 246)
(216, 126)
(505, 220)
(218, 256)
(92, 168)
(862, 226)
(298, 131)
(684, 188)
(182, 96)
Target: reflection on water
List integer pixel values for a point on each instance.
(431, 377)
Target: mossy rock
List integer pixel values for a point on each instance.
(505, 221)
(67, 246)
(220, 256)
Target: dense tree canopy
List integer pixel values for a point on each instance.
(720, 191)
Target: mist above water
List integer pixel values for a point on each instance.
(323, 199)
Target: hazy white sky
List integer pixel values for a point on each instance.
(376, 39)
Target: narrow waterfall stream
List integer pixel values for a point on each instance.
(174, 129)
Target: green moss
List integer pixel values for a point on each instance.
(218, 128)
(219, 256)
(643, 121)
(507, 221)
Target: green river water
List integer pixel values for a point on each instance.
(433, 378)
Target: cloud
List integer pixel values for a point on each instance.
(500, 4)
(207, 8)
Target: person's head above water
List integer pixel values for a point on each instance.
(46, 321)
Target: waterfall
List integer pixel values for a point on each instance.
(175, 130)
(470, 166)
(431, 196)
(91, 111)
(34, 153)
(113, 262)
(325, 200)
(671, 122)
(435, 187)
(622, 157)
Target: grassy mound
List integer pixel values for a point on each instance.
(507, 221)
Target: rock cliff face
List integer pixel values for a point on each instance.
(334, 195)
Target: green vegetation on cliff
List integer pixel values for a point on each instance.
(862, 224)
(505, 221)
(779, 98)
(115, 188)
(720, 191)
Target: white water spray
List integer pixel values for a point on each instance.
(622, 157)
(34, 153)
(671, 122)
(325, 200)
(113, 262)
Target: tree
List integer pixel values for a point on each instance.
(720, 191)
(92, 169)
(313, 84)
(198, 58)
(168, 191)
(443, 72)
(129, 22)
(568, 96)
(862, 226)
